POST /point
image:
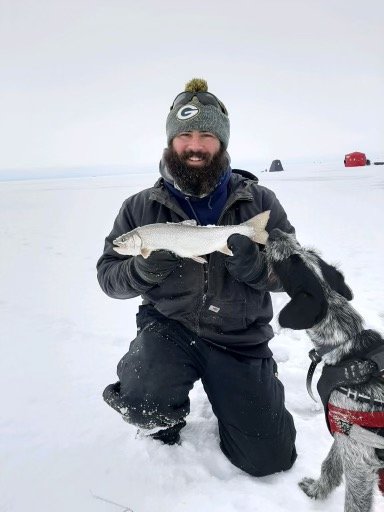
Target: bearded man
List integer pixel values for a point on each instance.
(201, 321)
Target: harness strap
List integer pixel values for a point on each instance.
(381, 480)
(359, 397)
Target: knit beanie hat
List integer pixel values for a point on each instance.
(202, 112)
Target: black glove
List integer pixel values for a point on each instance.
(154, 269)
(308, 305)
(247, 264)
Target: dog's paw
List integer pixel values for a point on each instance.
(312, 488)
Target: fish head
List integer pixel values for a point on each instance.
(128, 244)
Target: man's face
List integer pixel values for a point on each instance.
(196, 161)
(196, 148)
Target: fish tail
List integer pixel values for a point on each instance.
(259, 223)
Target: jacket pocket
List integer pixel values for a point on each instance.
(223, 315)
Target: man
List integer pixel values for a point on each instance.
(201, 321)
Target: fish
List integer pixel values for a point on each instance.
(186, 239)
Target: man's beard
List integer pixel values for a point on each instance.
(196, 181)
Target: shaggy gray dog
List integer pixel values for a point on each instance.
(337, 333)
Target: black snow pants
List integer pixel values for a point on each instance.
(164, 361)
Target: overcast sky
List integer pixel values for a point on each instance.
(90, 82)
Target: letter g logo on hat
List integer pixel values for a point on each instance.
(187, 112)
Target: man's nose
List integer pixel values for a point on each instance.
(195, 143)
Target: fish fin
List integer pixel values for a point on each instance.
(188, 222)
(258, 223)
(145, 253)
(226, 250)
(119, 250)
(199, 259)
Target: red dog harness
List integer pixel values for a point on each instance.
(340, 420)
(339, 417)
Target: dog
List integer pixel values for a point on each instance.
(353, 377)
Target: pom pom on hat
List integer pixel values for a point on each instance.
(194, 116)
(196, 85)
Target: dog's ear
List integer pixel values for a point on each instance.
(303, 312)
(335, 279)
(308, 305)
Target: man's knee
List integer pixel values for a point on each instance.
(263, 458)
(260, 455)
(155, 378)
(143, 407)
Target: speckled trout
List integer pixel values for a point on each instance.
(187, 239)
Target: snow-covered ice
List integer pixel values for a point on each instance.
(61, 447)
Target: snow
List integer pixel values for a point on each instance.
(61, 447)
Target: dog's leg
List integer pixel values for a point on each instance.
(330, 478)
(360, 480)
(359, 485)
(360, 469)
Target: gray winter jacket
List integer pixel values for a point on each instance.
(206, 299)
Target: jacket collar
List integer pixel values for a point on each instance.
(238, 191)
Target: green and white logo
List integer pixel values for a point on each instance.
(186, 112)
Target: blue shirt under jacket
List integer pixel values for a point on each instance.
(206, 210)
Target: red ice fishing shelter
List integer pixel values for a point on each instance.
(355, 159)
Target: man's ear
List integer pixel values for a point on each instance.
(303, 311)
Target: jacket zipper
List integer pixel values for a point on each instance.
(203, 298)
(205, 274)
(206, 269)
(188, 200)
